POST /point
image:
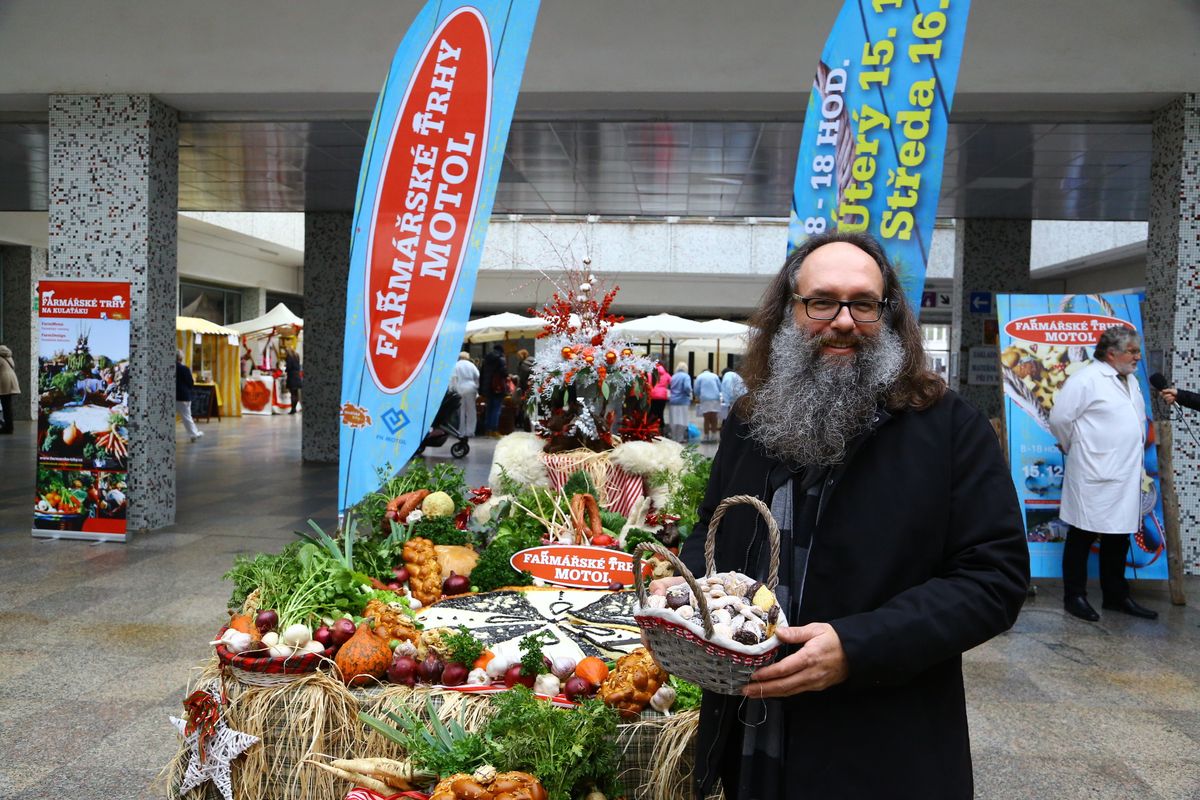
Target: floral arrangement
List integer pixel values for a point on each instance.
(582, 365)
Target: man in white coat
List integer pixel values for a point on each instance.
(1099, 419)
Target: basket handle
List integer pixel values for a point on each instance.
(684, 572)
(710, 543)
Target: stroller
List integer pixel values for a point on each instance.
(444, 427)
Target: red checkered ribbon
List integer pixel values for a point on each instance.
(203, 712)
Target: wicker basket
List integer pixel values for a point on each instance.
(678, 648)
(268, 671)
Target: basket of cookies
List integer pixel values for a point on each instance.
(714, 631)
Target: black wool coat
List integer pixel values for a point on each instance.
(1188, 399)
(918, 554)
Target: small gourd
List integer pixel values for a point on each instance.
(364, 658)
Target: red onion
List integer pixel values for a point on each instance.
(401, 573)
(456, 584)
(266, 620)
(430, 670)
(403, 670)
(323, 635)
(513, 676)
(343, 629)
(454, 674)
(578, 688)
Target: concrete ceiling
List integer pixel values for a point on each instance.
(666, 107)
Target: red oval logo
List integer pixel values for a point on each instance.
(1063, 329)
(425, 204)
(578, 566)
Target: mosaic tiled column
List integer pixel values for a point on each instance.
(21, 268)
(114, 187)
(1172, 309)
(254, 302)
(326, 265)
(990, 255)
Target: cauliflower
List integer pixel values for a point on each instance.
(437, 504)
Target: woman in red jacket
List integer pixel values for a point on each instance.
(659, 380)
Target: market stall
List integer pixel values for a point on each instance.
(415, 610)
(211, 352)
(263, 341)
(472, 643)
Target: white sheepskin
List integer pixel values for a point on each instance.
(520, 455)
(647, 458)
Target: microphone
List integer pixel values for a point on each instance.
(1159, 382)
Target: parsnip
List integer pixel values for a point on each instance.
(365, 781)
(394, 773)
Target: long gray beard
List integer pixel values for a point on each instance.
(813, 405)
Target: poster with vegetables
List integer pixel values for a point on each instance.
(1044, 340)
(83, 428)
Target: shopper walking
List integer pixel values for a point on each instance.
(659, 381)
(525, 364)
(183, 396)
(8, 387)
(679, 403)
(732, 388)
(295, 377)
(464, 380)
(494, 385)
(707, 390)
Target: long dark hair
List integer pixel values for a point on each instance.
(915, 388)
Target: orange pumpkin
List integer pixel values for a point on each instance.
(592, 670)
(255, 395)
(364, 658)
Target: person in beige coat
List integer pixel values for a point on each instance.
(8, 387)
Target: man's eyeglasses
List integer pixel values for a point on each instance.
(825, 308)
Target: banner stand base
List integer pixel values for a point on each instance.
(87, 536)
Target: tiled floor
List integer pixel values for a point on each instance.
(97, 640)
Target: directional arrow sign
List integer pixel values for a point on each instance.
(981, 302)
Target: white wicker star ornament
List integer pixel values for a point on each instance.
(220, 749)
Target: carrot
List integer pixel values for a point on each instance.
(484, 658)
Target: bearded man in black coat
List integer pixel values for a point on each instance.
(902, 544)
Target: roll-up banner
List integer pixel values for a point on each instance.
(1044, 339)
(425, 194)
(875, 128)
(83, 428)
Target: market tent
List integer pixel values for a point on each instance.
(659, 326)
(733, 345)
(198, 325)
(722, 329)
(277, 317)
(502, 326)
(211, 351)
(263, 340)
